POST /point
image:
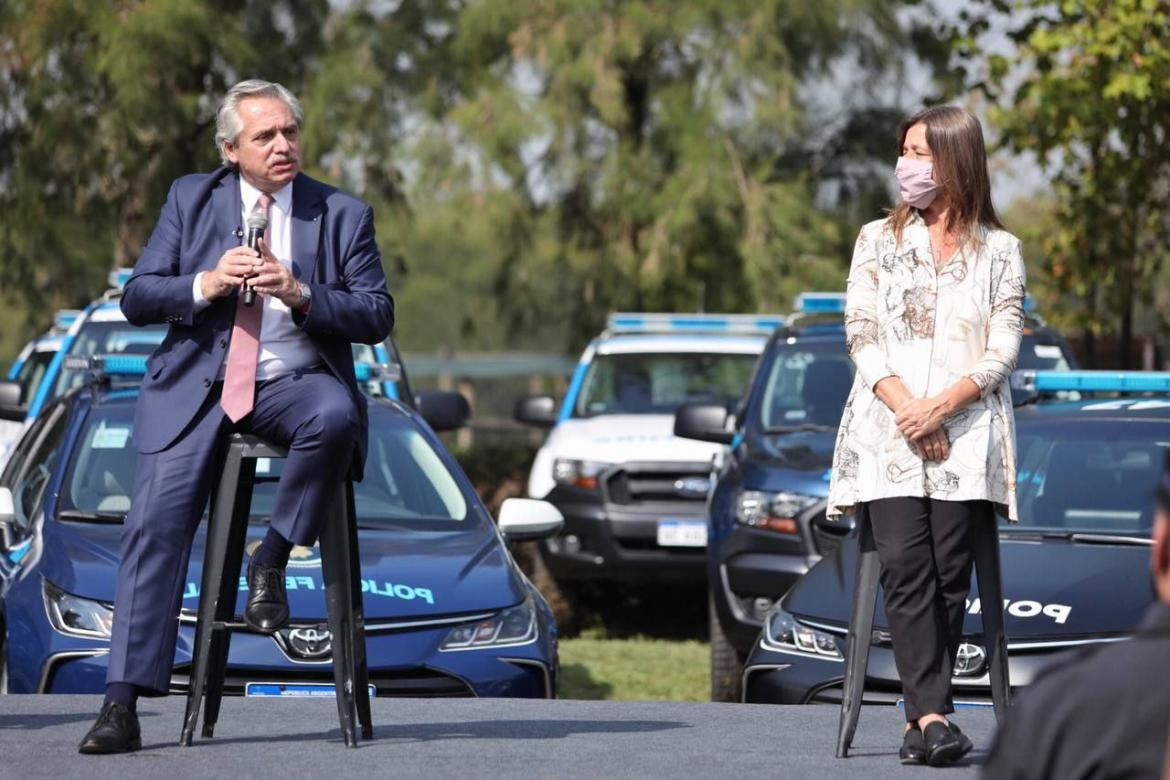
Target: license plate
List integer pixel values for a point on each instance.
(682, 533)
(292, 690)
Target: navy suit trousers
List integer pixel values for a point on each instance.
(309, 411)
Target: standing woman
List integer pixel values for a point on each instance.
(933, 318)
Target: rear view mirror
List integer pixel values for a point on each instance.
(528, 519)
(443, 410)
(11, 402)
(536, 410)
(705, 422)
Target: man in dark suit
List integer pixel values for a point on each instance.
(281, 368)
(1103, 711)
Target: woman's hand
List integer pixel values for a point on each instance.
(920, 417)
(934, 445)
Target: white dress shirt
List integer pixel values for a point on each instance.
(283, 346)
(930, 327)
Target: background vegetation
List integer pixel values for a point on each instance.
(536, 163)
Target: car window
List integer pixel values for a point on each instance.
(22, 448)
(1041, 354)
(39, 466)
(407, 483)
(658, 383)
(1088, 478)
(105, 338)
(31, 373)
(806, 384)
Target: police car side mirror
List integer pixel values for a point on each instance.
(528, 519)
(443, 410)
(11, 407)
(705, 422)
(536, 410)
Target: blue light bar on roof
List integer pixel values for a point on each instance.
(118, 277)
(64, 318)
(820, 303)
(122, 365)
(620, 322)
(1093, 381)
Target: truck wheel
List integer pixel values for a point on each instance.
(562, 597)
(726, 661)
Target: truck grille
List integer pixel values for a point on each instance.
(640, 483)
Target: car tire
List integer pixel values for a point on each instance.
(726, 661)
(563, 599)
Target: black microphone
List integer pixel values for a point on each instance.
(257, 224)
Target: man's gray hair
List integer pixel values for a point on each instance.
(227, 117)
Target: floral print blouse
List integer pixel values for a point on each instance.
(930, 328)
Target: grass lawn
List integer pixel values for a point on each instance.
(637, 668)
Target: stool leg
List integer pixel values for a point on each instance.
(335, 568)
(210, 594)
(985, 546)
(357, 609)
(860, 633)
(229, 588)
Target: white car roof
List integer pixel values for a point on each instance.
(681, 342)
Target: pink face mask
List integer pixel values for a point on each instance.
(916, 181)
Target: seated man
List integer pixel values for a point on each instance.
(1106, 710)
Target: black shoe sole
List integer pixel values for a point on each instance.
(94, 749)
(911, 760)
(946, 754)
(260, 629)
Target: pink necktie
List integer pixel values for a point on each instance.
(239, 381)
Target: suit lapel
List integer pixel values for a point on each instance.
(225, 202)
(306, 227)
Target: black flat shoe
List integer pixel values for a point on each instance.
(964, 742)
(116, 731)
(267, 608)
(944, 744)
(913, 747)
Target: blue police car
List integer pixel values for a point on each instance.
(448, 612)
(1075, 568)
(25, 375)
(766, 524)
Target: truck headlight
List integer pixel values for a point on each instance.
(507, 628)
(76, 616)
(577, 473)
(782, 634)
(771, 511)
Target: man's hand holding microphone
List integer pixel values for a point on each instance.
(257, 268)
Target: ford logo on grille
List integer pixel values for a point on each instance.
(969, 660)
(693, 487)
(310, 643)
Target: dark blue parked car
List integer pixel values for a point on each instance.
(448, 612)
(766, 522)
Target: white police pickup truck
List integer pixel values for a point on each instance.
(632, 493)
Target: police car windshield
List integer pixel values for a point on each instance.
(31, 372)
(806, 386)
(1041, 354)
(1092, 478)
(658, 383)
(407, 484)
(106, 338)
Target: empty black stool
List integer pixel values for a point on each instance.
(985, 549)
(226, 533)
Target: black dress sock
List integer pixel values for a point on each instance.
(125, 694)
(273, 551)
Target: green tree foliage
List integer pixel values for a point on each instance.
(1091, 99)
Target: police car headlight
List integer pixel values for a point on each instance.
(782, 634)
(76, 616)
(577, 473)
(513, 626)
(771, 511)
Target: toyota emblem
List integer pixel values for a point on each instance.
(969, 660)
(308, 642)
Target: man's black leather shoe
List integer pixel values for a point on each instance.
(913, 750)
(945, 744)
(267, 609)
(116, 731)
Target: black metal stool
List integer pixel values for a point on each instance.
(226, 533)
(985, 549)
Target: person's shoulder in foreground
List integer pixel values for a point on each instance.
(1100, 712)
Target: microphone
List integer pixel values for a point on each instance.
(257, 224)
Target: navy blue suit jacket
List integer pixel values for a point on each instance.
(333, 251)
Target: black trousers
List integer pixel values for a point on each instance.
(925, 552)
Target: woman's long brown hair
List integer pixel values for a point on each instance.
(956, 145)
